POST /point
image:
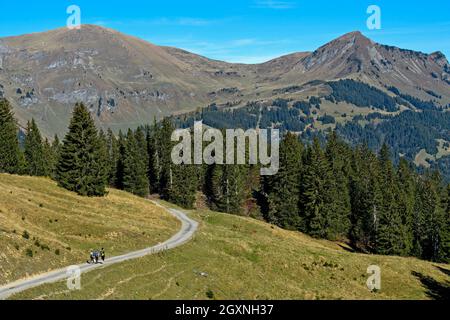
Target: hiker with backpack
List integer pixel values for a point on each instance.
(102, 254)
(95, 256)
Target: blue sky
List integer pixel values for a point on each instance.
(248, 31)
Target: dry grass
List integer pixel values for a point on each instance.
(246, 259)
(62, 226)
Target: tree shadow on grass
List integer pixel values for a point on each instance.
(435, 289)
(446, 271)
(347, 248)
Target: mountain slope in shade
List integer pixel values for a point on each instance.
(126, 81)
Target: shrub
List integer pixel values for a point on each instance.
(26, 235)
(29, 253)
(210, 294)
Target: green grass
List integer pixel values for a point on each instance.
(239, 258)
(44, 227)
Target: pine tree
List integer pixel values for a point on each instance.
(104, 154)
(34, 151)
(49, 158)
(365, 199)
(283, 189)
(11, 157)
(154, 161)
(316, 188)
(134, 168)
(81, 164)
(226, 187)
(446, 233)
(337, 154)
(434, 219)
(54, 152)
(121, 147)
(141, 141)
(184, 185)
(407, 192)
(391, 236)
(165, 165)
(113, 157)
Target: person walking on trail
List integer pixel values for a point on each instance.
(103, 255)
(96, 256)
(91, 256)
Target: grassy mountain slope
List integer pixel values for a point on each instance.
(233, 257)
(63, 227)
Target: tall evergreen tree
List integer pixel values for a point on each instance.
(337, 154)
(142, 143)
(184, 185)
(446, 234)
(154, 161)
(391, 233)
(104, 154)
(365, 199)
(226, 186)
(434, 220)
(10, 154)
(165, 165)
(134, 168)
(81, 163)
(283, 189)
(49, 158)
(121, 147)
(34, 151)
(55, 149)
(317, 206)
(113, 156)
(406, 199)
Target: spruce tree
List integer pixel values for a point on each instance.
(134, 168)
(49, 158)
(337, 154)
(81, 165)
(283, 189)
(316, 206)
(446, 233)
(142, 144)
(226, 187)
(104, 154)
(11, 157)
(165, 165)
(391, 235)
(113, 157)
(154, 161)
(365, 199)
(184, 185)
(434, 218)
(407, 188)
(55, 149)
(121, 147)
(37, 164)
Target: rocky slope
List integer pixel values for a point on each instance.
(126, 81)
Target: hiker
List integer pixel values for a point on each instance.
(96, 256)
(91, 256)
(103, 255)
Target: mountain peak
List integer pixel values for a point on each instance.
(439, 57)
(356, 33)
(355, 36)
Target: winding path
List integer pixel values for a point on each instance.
(188, 229)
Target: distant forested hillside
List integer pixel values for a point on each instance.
(406, 133)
